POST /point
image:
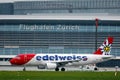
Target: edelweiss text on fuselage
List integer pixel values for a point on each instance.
(59, 57)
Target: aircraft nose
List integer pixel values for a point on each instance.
(13, 61)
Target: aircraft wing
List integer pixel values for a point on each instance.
(6, 57)
(63, 63)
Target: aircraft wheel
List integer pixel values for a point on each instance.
(56, 69)
(95, 68)
(62, 69)
(24, 69)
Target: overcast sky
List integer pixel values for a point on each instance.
(8, 0)
(4, 1)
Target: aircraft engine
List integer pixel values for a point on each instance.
(51, 65)
(41, 67)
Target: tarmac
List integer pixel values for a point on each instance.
(34, 68)
(6, 66)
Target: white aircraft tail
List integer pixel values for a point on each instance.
(105, 48)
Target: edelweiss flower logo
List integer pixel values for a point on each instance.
(106, 48)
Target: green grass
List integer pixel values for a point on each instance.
(50, 75)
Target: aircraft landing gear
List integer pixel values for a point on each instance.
(24, 69)
(57, 69)
(95, 68)
(62, 69)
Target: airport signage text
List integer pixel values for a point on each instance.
(49, 27)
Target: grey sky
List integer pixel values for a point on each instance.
(4, 1)
(8, 0)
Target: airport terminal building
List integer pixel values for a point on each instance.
(56, 33)
(25, 29)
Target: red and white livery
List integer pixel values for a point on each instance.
(56, 61)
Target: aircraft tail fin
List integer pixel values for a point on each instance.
(105, 48)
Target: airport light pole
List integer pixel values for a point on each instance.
(96, 32)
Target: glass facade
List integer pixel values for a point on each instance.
(67, 6)
(43, 37)
(110, 63)
(6, 8)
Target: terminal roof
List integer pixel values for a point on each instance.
(61, 17)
